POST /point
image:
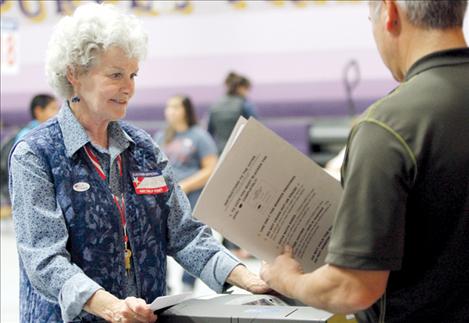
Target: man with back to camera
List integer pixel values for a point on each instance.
(399, 249)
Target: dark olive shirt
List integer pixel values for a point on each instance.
(405, 205)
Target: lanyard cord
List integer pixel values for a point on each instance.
(120, 203)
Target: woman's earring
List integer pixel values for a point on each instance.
(75, 99)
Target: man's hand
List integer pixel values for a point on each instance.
(282, 273)
(332, 288)
(243, 278)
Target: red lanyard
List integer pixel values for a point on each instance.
(120, 205)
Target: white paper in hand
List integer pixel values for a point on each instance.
(265, 194)
(170, 300)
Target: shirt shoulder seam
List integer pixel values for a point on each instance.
(398, 137)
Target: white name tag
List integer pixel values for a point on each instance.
(149, 183)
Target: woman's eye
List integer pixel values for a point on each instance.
(116, 75)
(133, 75)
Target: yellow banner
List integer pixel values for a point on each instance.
(37, 11)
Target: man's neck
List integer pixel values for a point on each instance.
(422, 43)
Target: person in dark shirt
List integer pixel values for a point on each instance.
(223, 117)
(225, 113)
(399, 248)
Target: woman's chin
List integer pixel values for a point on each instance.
(120, 115)
(118, 111)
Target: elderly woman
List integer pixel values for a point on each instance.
(95, 205)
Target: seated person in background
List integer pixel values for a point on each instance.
(42, 108)
(190, 150)
(96, 208)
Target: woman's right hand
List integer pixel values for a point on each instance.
(112, 309)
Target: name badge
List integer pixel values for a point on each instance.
(149, 183)
(81, 187)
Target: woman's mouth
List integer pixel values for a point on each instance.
(120, 102)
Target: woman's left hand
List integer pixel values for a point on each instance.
(243, 278)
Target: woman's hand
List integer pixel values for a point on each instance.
(243, 278)
(132, 310)
(112, 309)
(283, 272)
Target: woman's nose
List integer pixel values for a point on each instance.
(127, 86)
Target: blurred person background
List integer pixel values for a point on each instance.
(226, 111)
(222, 118)
(42, 107)
(190, 150)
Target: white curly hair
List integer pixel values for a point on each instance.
(78, 39)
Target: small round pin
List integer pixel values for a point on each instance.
(81, 187)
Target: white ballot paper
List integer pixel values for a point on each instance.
(170, 300)
(264, 194)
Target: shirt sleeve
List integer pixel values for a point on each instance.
(42, 235)
(191, 243)
(210, 129)
(248, 110)
(159, 137)
(369, 228)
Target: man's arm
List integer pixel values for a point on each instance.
(369, 228)
(332, 288)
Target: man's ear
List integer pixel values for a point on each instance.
(393, 16)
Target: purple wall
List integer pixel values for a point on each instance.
(273, 100)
